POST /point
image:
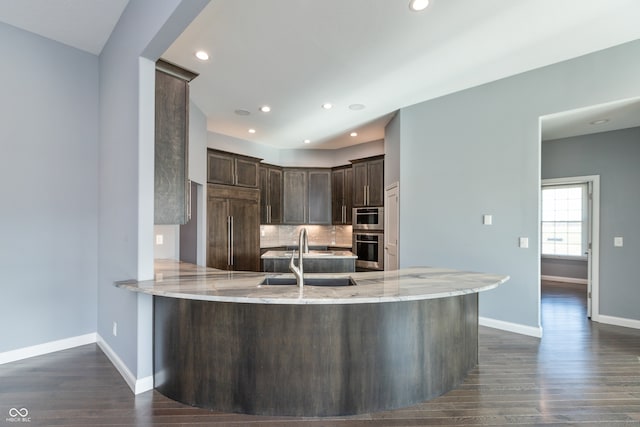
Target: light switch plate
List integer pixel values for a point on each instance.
(487, 219)
(523, 242)
(159, 239)
(618, 242)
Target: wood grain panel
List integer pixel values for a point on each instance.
(312, 360)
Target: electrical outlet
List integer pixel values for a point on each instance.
(618, 242)
(487, 219)
(115, 329)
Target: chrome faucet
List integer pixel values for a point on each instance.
(303, 248)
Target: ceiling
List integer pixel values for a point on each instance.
(83, 24)
(295, 55)
(616, 115)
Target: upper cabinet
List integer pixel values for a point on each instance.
(341, 195)
(270, 194)
(368, 181)
(307, 196)
(319, 196)
(294, 189)
(232, 169)
(171, 202)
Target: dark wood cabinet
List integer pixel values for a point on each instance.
(270, 178)
(368, 182)
(319, 196)
(171, 186)
(341, 195)
(307, 196)
(294, 191)
(232, 169)
(233, 228)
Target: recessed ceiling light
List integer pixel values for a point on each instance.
(265, 108)
(599, 122)
(242, 112)
(202, 55)
(356, 107)
(418, 5)
(327, 106)
(252, 131)
(354, 134)
(307, 141)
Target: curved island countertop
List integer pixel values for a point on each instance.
(224, 341)
(188, 281)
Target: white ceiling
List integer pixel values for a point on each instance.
(83, 24)
(616, 115)
(297, 54)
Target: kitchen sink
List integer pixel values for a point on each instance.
(340, 281)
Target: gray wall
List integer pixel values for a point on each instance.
(293, 157)
(49, 185)
(477, 152)
(615, 156)
(145, 30)
(561, 267)
(392, 136)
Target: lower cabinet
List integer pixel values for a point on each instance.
(233, 216)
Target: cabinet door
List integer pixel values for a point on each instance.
(263, 178)
(375, 181)
(348, 194)
(337, 196)
(246, 171)
(275, 196)
(218, 233)
(294, 188)
(359, 183)
(171, 138)
(245, 234)
(221, 168)
(319, 197)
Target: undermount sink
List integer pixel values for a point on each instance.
(312, 253)
(340, 281)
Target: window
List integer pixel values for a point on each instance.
(564, 220)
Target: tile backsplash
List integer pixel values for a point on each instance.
(319, 235)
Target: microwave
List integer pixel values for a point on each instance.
(368, 218)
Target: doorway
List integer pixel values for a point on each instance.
(559, 230)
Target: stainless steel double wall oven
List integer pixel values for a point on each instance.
(368, 237)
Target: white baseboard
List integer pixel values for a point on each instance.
(618, 321)
(136, 385)
(564, 279)
(48, 347)
(511, 327)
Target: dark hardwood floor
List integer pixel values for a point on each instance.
(580, 374)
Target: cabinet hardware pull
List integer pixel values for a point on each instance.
(231, 241)
(188, 200)
(228, 240)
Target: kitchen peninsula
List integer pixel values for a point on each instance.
(229, 341)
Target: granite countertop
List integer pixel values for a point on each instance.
(182, 280)
(311, 254)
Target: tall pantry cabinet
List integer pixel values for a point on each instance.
(233, 228)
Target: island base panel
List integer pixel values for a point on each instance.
(312, 360)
